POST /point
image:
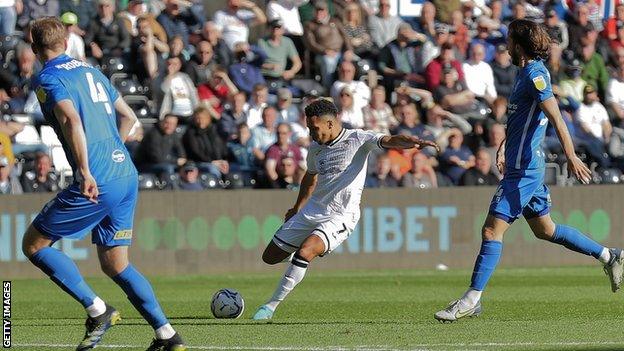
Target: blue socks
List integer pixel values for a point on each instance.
(64, 272)
(576, 241)
(486, 263)
(141, 295)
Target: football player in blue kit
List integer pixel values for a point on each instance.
(522, 190)
(79, 102)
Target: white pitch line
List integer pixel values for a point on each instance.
(343, 348)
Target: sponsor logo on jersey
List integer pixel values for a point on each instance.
(41, 95)
(123, 234)
(539, 82)
(118, 156)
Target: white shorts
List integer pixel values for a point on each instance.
(333, 230)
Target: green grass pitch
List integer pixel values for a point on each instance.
(524, 309)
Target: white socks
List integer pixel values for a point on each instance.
(165, 332)
(97, 309)
(605, 256)
(472, 296)
(294, 275)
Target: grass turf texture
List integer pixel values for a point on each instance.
(524, 309)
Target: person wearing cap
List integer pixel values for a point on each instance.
(236, 19)
(383, 26)
(326, 38)
(8, 184)
(188, 178)
(504, 72)
(431, 48)
(286, 111)
(75, 44)
(479, 75)
(573, 84)
(595, 129)
(107, 34)
(85, 10)
(279, 51)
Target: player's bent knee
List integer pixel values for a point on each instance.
(33, 241)
(544, 235)
(488, 233)
(311, 248)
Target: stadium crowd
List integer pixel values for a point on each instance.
(220, 93)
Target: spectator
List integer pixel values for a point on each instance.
(42, 178)
(427, 23)
(440, 122)
(453, 95)
(241, 152)
(33, 9)
(264, 135)
(138, 9)
(434, 70)
(75, 44)
(496, 136)
(574, 84)
(259, 99)
(399, 61)
(326, 38)
(615, 95)
(232, 117)
(279, 50)
(288, 12)
(216, 91)
(618, 42)
(431, 48)
(177, 19)
(479, 75)
(147, 51)
(222, 53)
(410, 122)
(378, 116)
(481, 173)
(611, 30)
(8, 184)
(6, 149)
(382, 177)
(202, 64)
(85, 10)
(301, 133)
(188, 178)
(203, 144)
(134, 140)
(161, 150)
(461, 36)
(457, 158)
(357, 33)
(179, 93)
(499, 110)
(594, 70)
(286, 175)
(581, 30)
(245, 72)
(177, 49)
(421, 175)
(350, 113)
(595, 128)
(287, 112)
(282, 149)
(554, 65)
(484, 29)
(383, 26)
(234, 22)
(346, 78)
(557, 29)
(107, 34)
(504, 72)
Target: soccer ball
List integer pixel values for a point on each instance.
(227, 303)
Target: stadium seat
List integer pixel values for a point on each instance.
(113, 65)
(552, 174)
(49, 137)
(148, 181)
(209, 181)
(28, 136)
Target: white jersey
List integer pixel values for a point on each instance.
(341, 167)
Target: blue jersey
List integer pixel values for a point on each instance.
(64, 78)
(526, 124)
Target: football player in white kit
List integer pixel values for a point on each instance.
(328, 206)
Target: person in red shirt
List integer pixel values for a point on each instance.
(283, 148)
(214, 93)
(433, 72)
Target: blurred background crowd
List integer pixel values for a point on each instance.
(219, 86)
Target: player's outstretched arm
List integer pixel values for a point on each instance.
(575, 165)
(308, 183)
(71, 125)
(127, 118)
(406, 142)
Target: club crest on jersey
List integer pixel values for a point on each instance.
(118, 156)
(41, 95)
(539, 82)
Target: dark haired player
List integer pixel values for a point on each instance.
(81, 105)
(522, 190)
(328, 206)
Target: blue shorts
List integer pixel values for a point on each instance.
(71, 216)
(521, 192)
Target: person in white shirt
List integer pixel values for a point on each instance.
(346, 78)
(75, 44)
(384, 27)
(592, 117)
(328, 206)
(478, 74)
(351, 111)
(259, 98)
(288, 12)
(615, 93)
(234, 22)
(179, 93)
